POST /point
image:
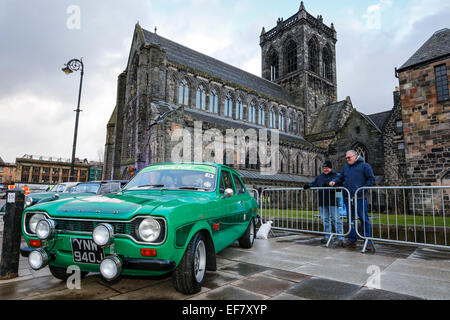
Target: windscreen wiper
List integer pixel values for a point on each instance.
(191, 188)
(146, 186)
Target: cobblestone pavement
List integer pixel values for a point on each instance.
(286, 267)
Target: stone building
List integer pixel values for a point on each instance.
(168, 88)
(425, 111)
(47, 170)
(7, 172)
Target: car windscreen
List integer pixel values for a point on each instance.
(177, 177)
(58, 188)
(86, 188)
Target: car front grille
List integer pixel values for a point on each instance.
(89, 226)
(126, 228)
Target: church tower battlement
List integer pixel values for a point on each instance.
(300, 55)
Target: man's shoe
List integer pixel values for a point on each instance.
(324, 240)
(370, 247)
(349, 244)
(340, 243)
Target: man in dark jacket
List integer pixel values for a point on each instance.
(327, 203)
(356, 174)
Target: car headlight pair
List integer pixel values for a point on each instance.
(148, 230)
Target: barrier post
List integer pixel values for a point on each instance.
(12, 234)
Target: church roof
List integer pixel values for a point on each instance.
(230, 123)
(328, 118)
(1, 161)
(216, 68)
(279, 177)
(380, 118)
(435, 47)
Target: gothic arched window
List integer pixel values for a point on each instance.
(213, 102)
(362, 151)
(252, 113)
(326, 64)
(261, 115)
(300, 124)
(239, 109)
(291, 123)
(290, 57)
(228, 106)
(274, 65)
(273, 118)
(313, 55)
(281, 121)
(201, 98)
(183, 93)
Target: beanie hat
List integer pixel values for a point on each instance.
(327, 163)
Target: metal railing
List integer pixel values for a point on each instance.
(415, 215)
(300, 210)
(411, 215)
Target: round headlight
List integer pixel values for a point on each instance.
(28, 201)
(103, 234)
(45, 229)
(149, 229)
(38, 259)
(34, 221)
(110, 268)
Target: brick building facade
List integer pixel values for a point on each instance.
(425, 110)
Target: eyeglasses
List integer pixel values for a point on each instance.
(348, 158)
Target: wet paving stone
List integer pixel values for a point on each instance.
(323, 289)
(243, 269)
(164, 290)
(431, 254)
(128, 284)
(264, 285)
(375, 294)
(217, 279)
(287, 275)
(230, 292)
(89, 289)
(30, 288)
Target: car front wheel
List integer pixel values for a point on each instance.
(246, 241)
(189, 276)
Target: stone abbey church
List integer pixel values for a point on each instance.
(166, 87)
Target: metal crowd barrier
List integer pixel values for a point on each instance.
(415, 215)
(297, 210)
(254, 193)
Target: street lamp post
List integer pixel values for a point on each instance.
(72, 66)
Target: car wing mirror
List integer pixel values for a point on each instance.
(228, 193)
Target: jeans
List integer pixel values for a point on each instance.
(364, 220)
(331, 212)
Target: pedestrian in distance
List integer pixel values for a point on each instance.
(328, 209)
(130, 172)
(356, 174)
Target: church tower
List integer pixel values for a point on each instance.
(300, 55)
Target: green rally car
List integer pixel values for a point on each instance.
(171, 217)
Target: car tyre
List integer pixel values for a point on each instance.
(189, 276)
(61, 273)
(246, 241)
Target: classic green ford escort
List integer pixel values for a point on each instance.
(171, 217)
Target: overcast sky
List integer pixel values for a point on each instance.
(38, 37)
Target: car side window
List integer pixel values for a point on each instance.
(227, 181)
(239, 186)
